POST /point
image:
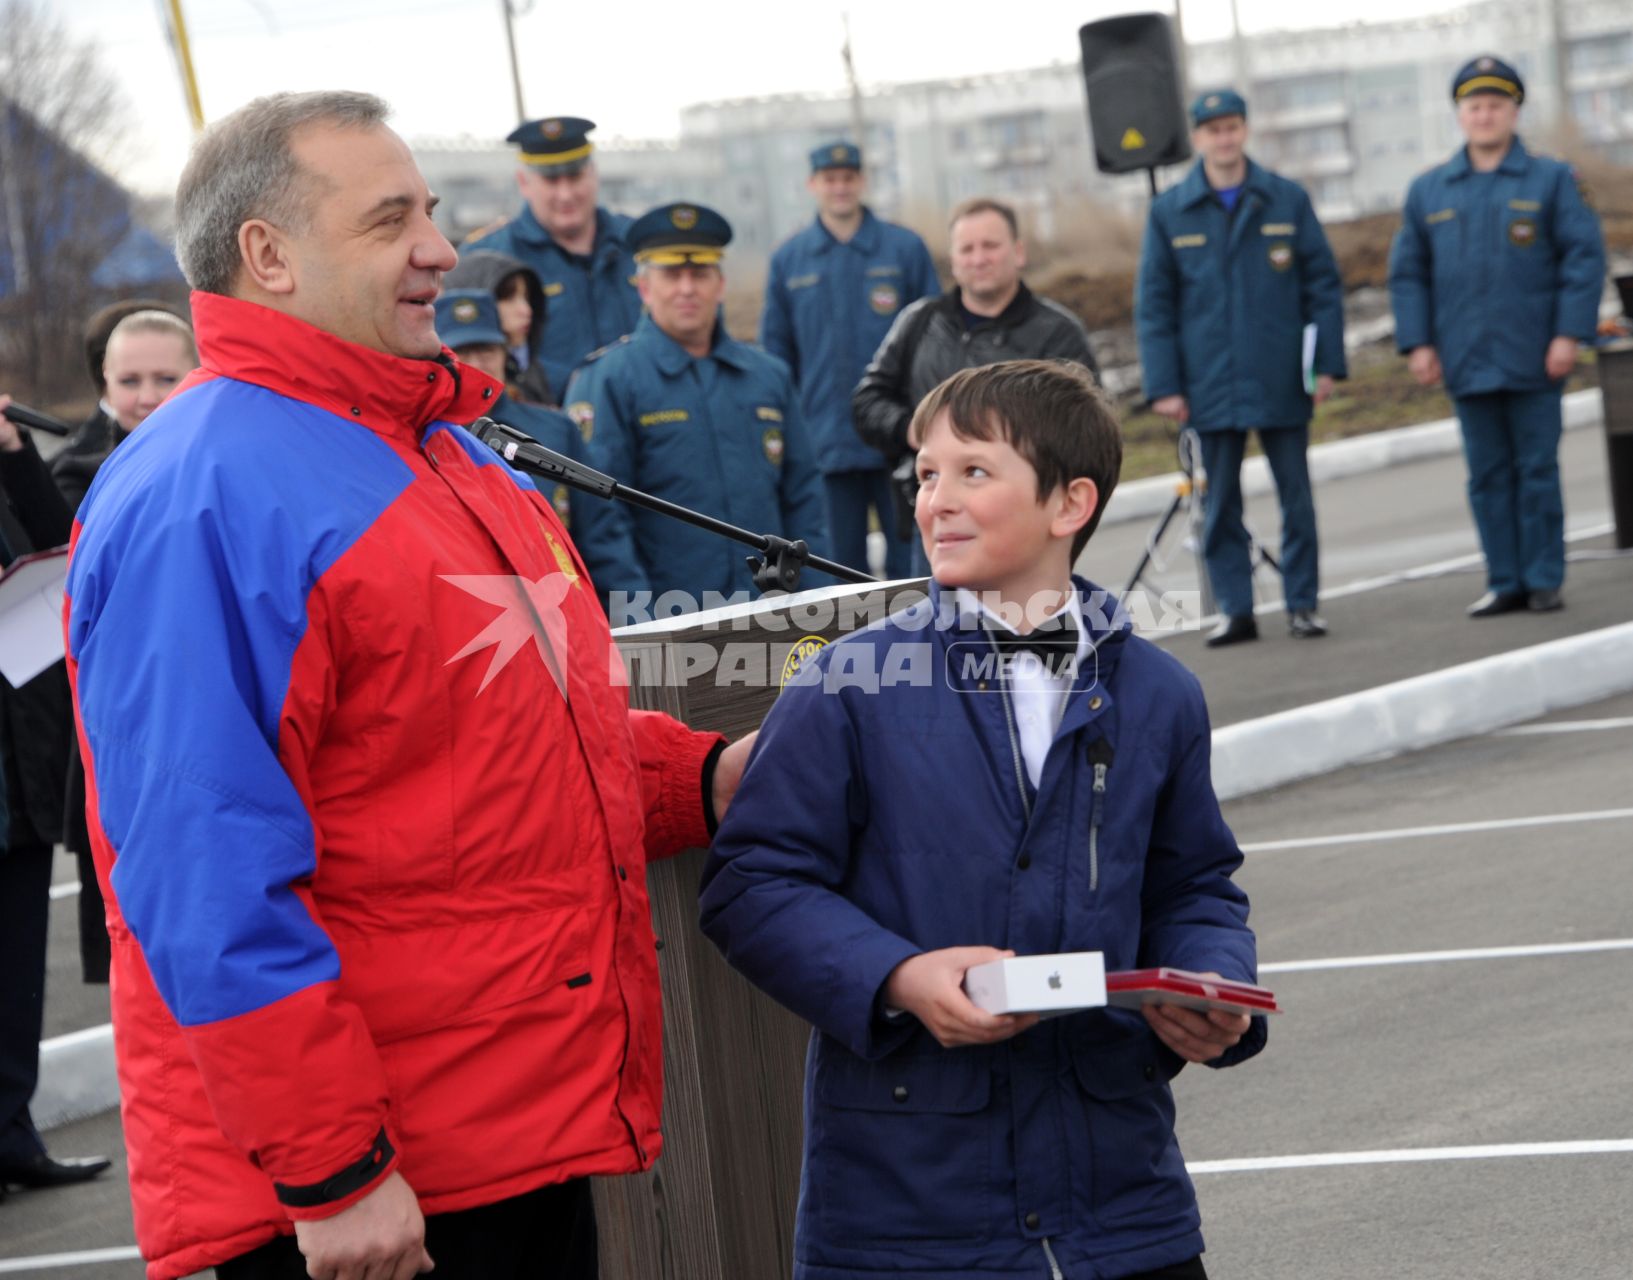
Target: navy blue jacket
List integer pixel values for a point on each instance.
(721, 434)
(828, 306)
(883, 814)
(1489, 269)
(1223, 299)
(591, 301)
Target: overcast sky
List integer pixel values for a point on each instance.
(630, 65)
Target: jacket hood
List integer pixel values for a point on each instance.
(487, 269)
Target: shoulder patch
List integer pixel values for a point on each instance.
(1440, 215)
(1190, 241)
(611, 346)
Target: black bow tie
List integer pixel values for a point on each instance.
(1054, 642)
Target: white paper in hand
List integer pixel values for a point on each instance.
(31, 614)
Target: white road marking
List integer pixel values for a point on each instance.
(1443, 829)
(1411, 1155)
(67, 890)
(85, 1257)
(1567, 726)
(1440, 957)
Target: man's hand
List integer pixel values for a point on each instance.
(1561, 358)
(1424, 362)
(1196, 1036)
(930, 986)
(381, 1237)
(1174, 407)
(11, 440)
(728, 772)
(1323, 387)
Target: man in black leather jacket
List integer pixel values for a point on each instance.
(989, 316)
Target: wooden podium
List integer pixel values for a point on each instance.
(719, 1203)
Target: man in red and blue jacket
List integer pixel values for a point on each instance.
(366, 796)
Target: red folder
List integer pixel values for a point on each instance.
(1135, 987)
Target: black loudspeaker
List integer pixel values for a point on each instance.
(1136, 110)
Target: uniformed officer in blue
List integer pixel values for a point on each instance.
(1233, 268)
(580, 251)
(1495, 277)
(834, 290)
(682, 410)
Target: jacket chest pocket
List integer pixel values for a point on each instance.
(901, 1149)
(1196, 255)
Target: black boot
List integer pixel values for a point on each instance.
(1233, 631)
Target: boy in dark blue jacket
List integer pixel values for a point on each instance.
(1002, 769)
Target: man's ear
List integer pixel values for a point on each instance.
(264, 257)
(1020, 254)
(1078, 501)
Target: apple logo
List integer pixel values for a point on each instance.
(1054, 981)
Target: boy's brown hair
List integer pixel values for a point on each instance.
(1049, 411)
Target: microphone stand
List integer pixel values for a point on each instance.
(776, 568)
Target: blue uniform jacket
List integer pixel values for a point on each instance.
(1223, 299)
(590, 301)
(884, 812)
(828, 306)
(721, 434)
(1488, 269)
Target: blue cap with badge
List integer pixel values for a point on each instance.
(468, 318)
(836, 155)
(1216, 103)
(674, 235)
(1486, 74)
(555, 144)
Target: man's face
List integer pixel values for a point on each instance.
(978, 513)
(683, 299)
(564, 204)
(1220, 141)
(487, 356)
(369, 265)
(838, 192)
(987, 256)
(1488, 119)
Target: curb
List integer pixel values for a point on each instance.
(1424, 711)
(77, 1076)
(1146, 499)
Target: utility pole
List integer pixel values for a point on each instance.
(515, 70)
(1238, 53)
(1556, 47)
(856, 89)
(184, 62)
(1179, 50)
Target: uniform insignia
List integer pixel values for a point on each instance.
(466, 310)
(551, 128)
(683, 216)
(1281, 256)
(582, 412)
(1522, 232)
(1278, 229)
(1441, 215)
(838, 153)
(884, 299)
(561, 500)
(1525, 206)
(1485, 64)
(765, 413)
(803, 282)
(1212, 101)
(805, 648)
(1189, 242)
(553, 288)
(564, 562)
(661, 416)
(772, 443)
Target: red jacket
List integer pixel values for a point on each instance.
(368, 803)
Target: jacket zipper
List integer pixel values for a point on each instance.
(1055, 1273)
(1100, 756)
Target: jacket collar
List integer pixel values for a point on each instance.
(391, 395)
(671, 357)
(531, 232)
(1194, 189)
(1019, 308)
(866, 238)
(1103, 619)
(1515, 162)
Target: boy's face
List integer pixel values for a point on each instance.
(981, 519)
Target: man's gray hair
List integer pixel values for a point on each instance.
(243, 168)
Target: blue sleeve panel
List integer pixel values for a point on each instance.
(197, 540)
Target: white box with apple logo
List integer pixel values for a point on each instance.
(1039, 984)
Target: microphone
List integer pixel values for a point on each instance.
(24, 416)
(517, 446)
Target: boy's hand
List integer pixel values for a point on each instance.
(930, 986)
(1196, 1036)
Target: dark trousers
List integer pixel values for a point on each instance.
(548, 1234)
(25, 909)
(1511, 443)
(849, 495)
(1225, 547)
